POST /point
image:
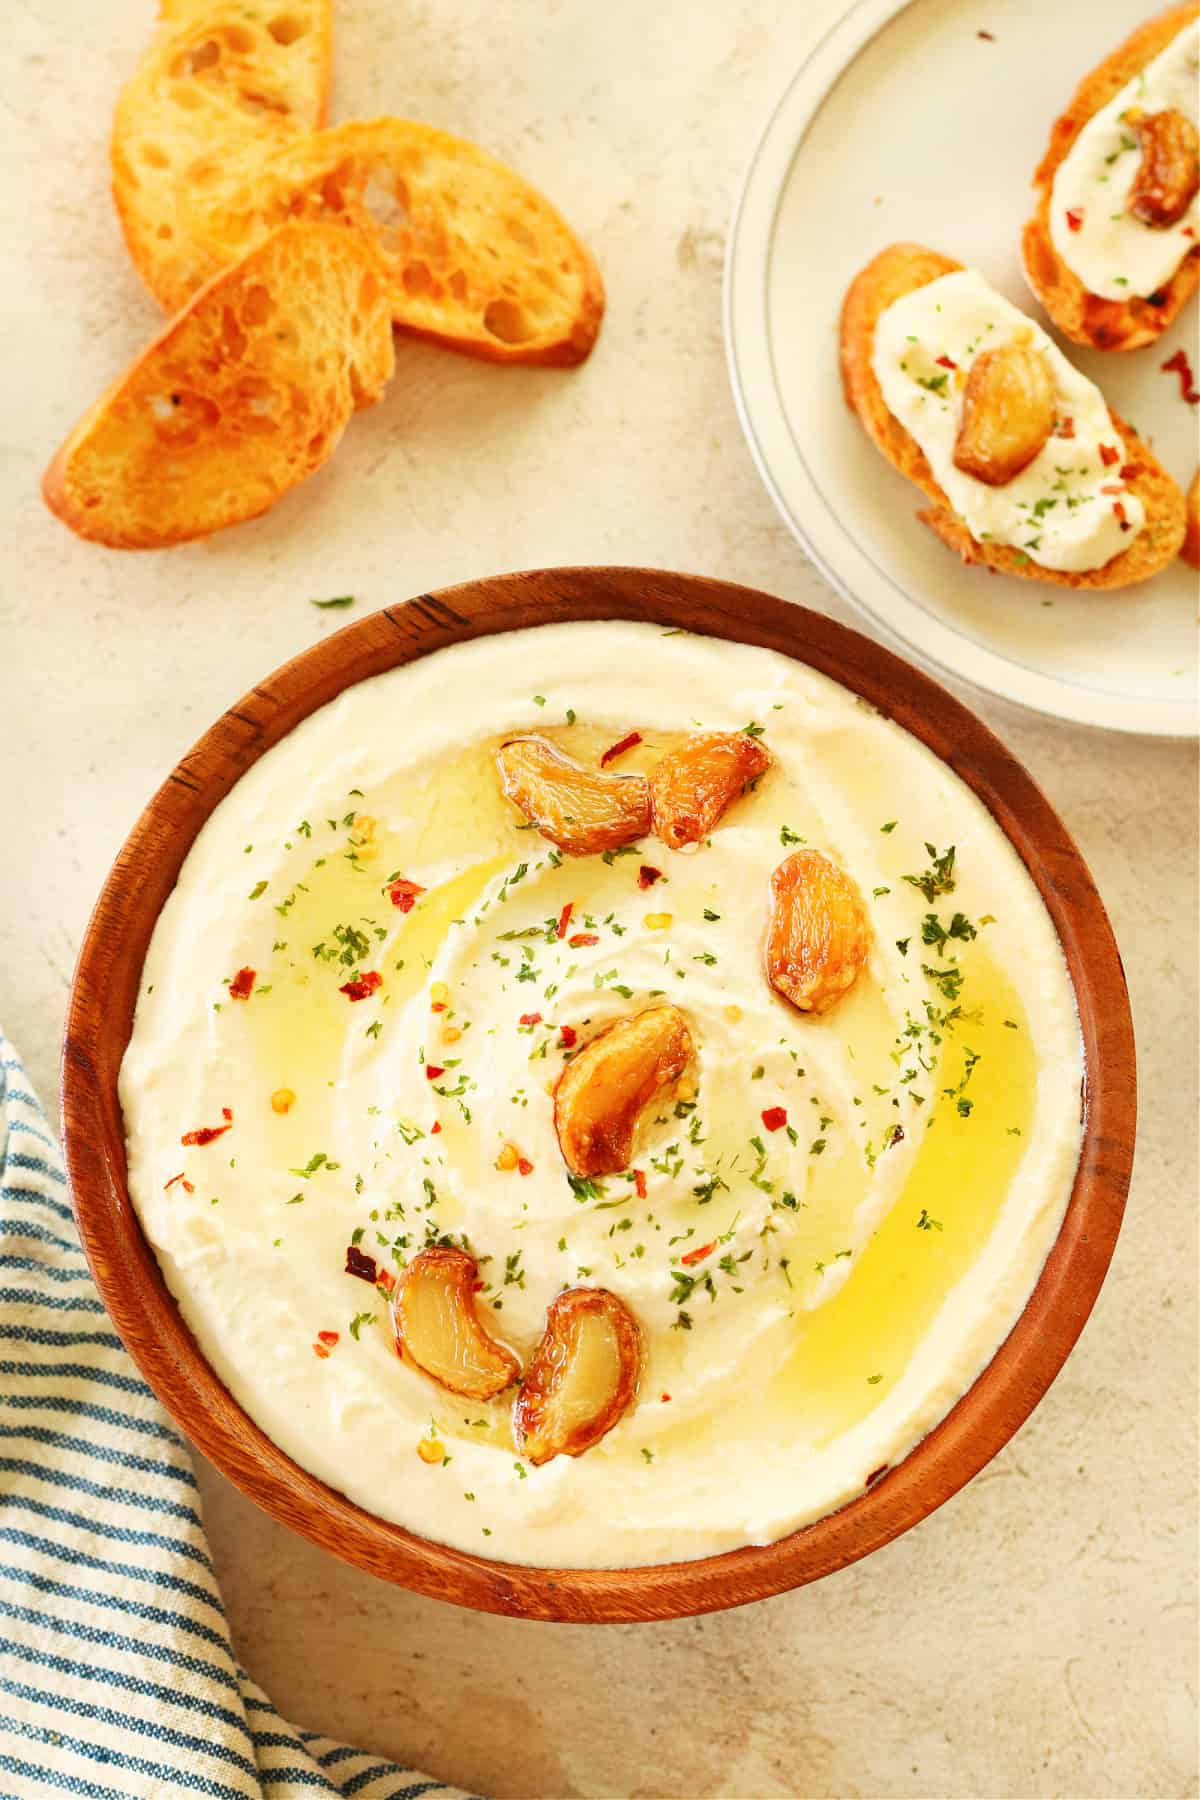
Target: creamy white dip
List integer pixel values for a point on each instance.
(1114, 254)
(1069, 508)
(867, 1263)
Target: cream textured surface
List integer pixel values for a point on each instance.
(1035, 1637)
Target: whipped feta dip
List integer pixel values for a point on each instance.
(357, 996)
(1113, 253)
(1070, 508)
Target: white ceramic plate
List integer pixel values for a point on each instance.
(904, 122)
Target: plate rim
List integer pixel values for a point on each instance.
(941, 647)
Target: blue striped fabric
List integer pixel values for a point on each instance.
(117, 1674)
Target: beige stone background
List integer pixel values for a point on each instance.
(1037, 1636)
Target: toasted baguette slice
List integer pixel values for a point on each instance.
(241, 397)
(896, 271)
(478, 260)
(1084, 317)
(218, 90)
(1191, 543)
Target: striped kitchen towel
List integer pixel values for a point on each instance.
(117, 1674)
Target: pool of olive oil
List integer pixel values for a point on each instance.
(852, 1350)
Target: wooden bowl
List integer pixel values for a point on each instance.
(128, 1276)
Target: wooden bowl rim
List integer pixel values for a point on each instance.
(128, 1275)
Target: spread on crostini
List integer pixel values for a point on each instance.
(600, 1094)
(1125, 207)
(1057, 488)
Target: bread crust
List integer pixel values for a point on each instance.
(188, 119)
(898, 270)
(224, 411)
(1084, 317)
(1190, 551)
(479, 261)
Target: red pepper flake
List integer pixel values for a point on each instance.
(188, 1186)
(320, 1350)
(989, 36)
(206, 1133)
(639, 1183)
(1075, 218)
(360, 1264)
(242, 985)
(329, 1337)
(1066, 428)
(405, 894)
(946, 362)
(1179, 365)
(227, 1115)
(1127, 471)
(581, 939)
(435, 1128)
(1112, 487)
(698, 1255)
(1109, 454)
(386, 1280)
(530, 1019)
(438, 1005)
(568, 1037)
(619, 748)
(524, 1166)
(1119, 509)
(434, 1071)
(564, 919)
(647, 876)
(361, 989)
(664, 1397)
(775, 1118)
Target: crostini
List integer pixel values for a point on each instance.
(241, 397)
(1113, 249)
(1028, 470)
(1191, 543)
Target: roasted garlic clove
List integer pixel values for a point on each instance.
(439, 1328)
(818, 936)
(1007, 413)
(692, 787)
(602, 1092)
(1169, 173)
(581, 1378)
(580, 810)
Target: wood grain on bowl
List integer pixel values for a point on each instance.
(131, 1283)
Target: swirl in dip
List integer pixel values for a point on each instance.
(826, 1229)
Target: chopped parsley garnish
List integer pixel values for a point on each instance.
(948, 981)
(935, 933)
(938, 878)
(319, 1161)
